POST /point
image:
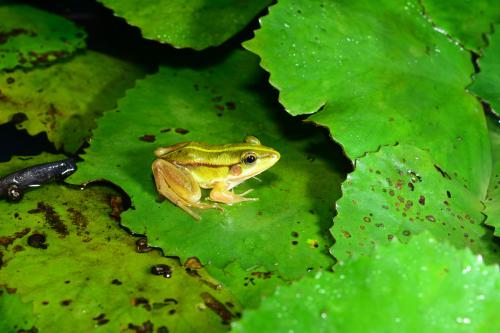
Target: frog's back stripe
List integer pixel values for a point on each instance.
(230, 148)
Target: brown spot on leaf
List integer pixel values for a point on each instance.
(116, 282)
(442, 172)
(193, 263)
(148, 138)
(181, 131)
(346, 234)
(430, 218)
(51, 218)
(66, 302)
(137, 301)
(146, 327)
(117, 207)
(101, 319)
(220, 309)
(165, 130)
(8, 240)
(19, 118)
(219, 107)
(231, 105)
(421, 200)
(78, 219)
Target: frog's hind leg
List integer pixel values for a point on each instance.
(178, 186)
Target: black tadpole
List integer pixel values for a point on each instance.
(13, 186)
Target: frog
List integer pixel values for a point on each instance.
(181, 170)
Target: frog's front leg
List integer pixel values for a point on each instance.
(221, 193)
(178, 186)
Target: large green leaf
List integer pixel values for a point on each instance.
(197, 24)
(487, 83)
(64, 99)
(16, 315)
(382, 75)
(492, 201)
(286, 231)
(466, 20)
(63, 253)
(422, 287)
(399, 192)
(30, 36)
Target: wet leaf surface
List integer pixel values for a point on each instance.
(195, 24)
(64, 254)
(492, 202)
(379, 74)
(400, 192)
(286, 231)
(487, 82)
(64, 99)
(467, 21)
(31, 37)
(422, 287)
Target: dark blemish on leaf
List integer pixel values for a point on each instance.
(408, 204)
(446, 203)
(407, 232)
(117, 207)
(10, 80)
(391, 193)
(390, 237)
(4, 36)
(19, 118)
(295, 234)
(430, 218)
(367, 219)
(310, 212)
(45, 303)
(66, 302)
(42, 58)
(141, 245)
(219, 114)
(67, 282)
(421, 200)
(78, 219)
(411, 186)
(165, 130)
(295, 242)
(346, 234)
(231, 105)
(51, 218)
(466, 235)
(147, 327)
(181, 131)
(171, 311)
(194, 273)
(219, 107)
(162, 269)
(262, 275)
(148, 138)
(137, 301)
(414, 176)
(116, 282)
(362, 227)
(193, 263)
(399, 184)
(17, 248)
(220, 309)
(196, 87)
(101, 319)
(442, 172)
(448, 194)
(162, 329)
(379, 225)
(401, 199)
(8, 240)
(385, 207)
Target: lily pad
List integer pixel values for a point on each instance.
(64, 99)
(492, 201)
(195, 24)
(285, 231)
(400, 192)
(487, 82)
(379, 74)
(467, 20)
(62, 252)
(422, 287)
(30, 37)
(16, 315)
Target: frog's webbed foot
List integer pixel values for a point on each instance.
(220, 193)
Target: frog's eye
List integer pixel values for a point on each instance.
(249, 158)
(252, 140)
